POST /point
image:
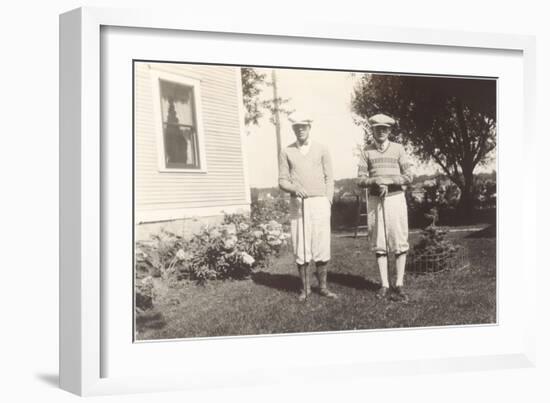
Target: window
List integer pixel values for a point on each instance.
(179, 129)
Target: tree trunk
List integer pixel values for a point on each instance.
(466, 204)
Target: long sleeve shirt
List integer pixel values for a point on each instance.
(392, 164)
(311, 171)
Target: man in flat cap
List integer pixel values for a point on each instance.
(385, 170)
(305, 171)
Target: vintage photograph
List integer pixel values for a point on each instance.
(273, 200)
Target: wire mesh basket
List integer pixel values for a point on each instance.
(437, 262)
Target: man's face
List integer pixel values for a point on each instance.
(301, 132)
(381, 133)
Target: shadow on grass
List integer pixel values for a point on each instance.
(290, 283)
(489, 232)
(352, 281)
(283, 282)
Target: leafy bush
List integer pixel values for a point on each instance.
(233, 249)
(263, 211)
(344, 213)
(441, 193)
(485, 194)
(434, 242)
(163, 256)
(434, 252)
(444, 195)
(144, 293)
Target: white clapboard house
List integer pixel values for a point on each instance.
(190, 164)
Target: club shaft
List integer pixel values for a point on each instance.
(382, 200)
(304, 242)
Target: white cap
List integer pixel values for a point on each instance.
(381, 120)
(300, 119)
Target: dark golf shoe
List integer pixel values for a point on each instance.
(399, 295)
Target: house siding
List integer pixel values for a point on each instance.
(176, 195)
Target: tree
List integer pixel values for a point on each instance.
(253, 83)
(451, 121)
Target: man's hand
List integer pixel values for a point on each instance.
(300, 192)
(382, 190)
(363, 182)
(383, 180)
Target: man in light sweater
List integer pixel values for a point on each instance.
(305, 171)
(385, 170)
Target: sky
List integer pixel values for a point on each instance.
(324, 96)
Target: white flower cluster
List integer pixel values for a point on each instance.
(275, 234)
(181, 255)
(247, 259)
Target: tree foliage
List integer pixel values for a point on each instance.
(451, 121)
(253, 85)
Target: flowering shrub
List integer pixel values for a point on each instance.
(262, 211)
(235, 248)
(164, 256)
(232, 249)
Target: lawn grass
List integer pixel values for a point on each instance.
(267, 303)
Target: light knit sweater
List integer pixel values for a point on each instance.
(392, 163)
(312, 172)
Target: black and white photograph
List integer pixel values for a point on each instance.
(273, 200)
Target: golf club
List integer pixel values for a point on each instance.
(305, 279)
(382, 200)
(367, 211)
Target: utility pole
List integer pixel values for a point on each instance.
(276, 119)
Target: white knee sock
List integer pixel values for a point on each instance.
(382, 261)
(400, 261)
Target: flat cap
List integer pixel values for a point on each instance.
(381, 120)
(300, 119)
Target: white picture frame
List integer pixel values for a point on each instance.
(82, 305)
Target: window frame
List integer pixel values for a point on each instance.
(195, 85)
